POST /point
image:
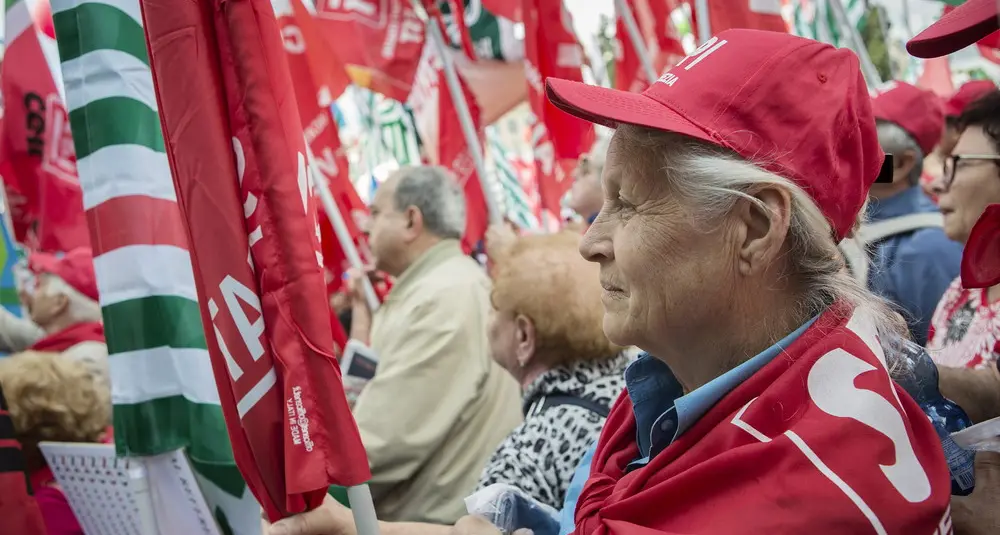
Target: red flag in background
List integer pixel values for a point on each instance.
(444, 141)
(379, 42)
(558, 139)
(305, 51)
(37, 156)
(508, 9)
(237, 155)
(937, 77)
(661, 41)
(755, 14)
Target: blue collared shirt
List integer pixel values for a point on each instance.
(663, 412)
(913, 269)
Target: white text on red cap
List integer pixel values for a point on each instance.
(700, 53)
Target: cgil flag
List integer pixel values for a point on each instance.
(161, 376)
(37, 159)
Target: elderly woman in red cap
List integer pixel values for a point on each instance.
(763, 403)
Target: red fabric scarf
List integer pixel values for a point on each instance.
(74, 334)
(819, 441)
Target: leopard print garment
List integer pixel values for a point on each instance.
(540, 455)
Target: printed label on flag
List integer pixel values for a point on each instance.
(59, 157)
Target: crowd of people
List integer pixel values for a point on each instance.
(709, 354)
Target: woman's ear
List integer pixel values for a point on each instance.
(764, 226)
(525, 347)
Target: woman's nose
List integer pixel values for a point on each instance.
(596, 245)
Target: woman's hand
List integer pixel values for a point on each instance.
(977, 513)
(330, 518)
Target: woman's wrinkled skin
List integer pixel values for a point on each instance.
(679, 289)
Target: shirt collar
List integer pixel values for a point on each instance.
(590, 220)
(909, 201)
(432, 257)
(656, 394)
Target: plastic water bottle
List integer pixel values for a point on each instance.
(913, 369)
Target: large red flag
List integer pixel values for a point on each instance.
(305, 50)
(552, 50)
(237, 155)
(37, 157)
(379, 42)
(659, 37)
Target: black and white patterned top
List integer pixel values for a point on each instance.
(540, 455)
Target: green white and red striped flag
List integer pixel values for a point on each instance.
(163, 388)
(517, 206)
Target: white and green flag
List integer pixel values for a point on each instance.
(163, 389)
(816, 19)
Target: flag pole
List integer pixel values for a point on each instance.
(322, 187)
(464, 115)
(359, 496)
(872, 77)
(625, 12)
(704, 24)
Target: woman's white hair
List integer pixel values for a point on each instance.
(81, 308)
(713, 179)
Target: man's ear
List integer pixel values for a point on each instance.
(414, 221)
(762, 227)
(60, 303)
(904, 162)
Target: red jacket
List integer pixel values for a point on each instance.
(819, 441)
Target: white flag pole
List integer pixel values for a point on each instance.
(704, 24)
(464, 115)
(322, 187)
(359, 496)
(625, 12)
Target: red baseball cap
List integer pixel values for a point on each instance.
(76, 268)
(981, 257)
(798, 107)
(967, 94)
(915, 110)
(956, 29)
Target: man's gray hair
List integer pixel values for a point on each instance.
(434, 191)
(895, 140)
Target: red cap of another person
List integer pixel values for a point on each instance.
(915, 110)
(76, 268)
(966, 24)
(967, 94)
(797, 106)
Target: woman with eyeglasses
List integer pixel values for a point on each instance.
(965, 329)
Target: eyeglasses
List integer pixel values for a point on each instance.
(961, 161)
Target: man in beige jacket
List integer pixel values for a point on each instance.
(438, 405)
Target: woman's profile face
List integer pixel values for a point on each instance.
(975, 185)
(659, 272)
